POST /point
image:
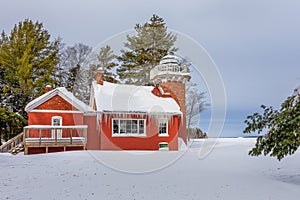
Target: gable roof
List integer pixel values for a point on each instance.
(130, 98)
(62, 92)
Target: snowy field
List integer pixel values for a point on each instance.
(226, 173)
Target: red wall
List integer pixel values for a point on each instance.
(93, 134)
(39, 150)
(56, 103)
(148, 142)
(43, 118)
(36, 150)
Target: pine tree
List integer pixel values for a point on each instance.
(11, 123)
(27, 57)
(282, 126)
(145, 50)
(106, 59)
(60, 72)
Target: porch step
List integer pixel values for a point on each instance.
(14, 145)
(17, 149)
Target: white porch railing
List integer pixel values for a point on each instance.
(55, 134)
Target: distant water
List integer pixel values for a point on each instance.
(251, 136)
(233, 126)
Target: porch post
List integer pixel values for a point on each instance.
(24, 135)
(85, 138)
(26, 150)
(71, 140)
(40, 135)
(85, 134)
(55, 132)
(24, 141)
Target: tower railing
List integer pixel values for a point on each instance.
(169, 69)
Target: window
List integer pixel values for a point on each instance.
(129, 127)
(163, 127)
(163, 146)
(56, 121)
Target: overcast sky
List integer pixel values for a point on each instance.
(255, 44)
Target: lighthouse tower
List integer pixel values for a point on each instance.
(171, 78)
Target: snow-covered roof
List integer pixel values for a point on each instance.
(169, 59)
(62, 92)
(130, 98)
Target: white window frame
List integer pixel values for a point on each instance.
(59, 131)
(163, 121)
(119, 134)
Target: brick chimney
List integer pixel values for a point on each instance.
(99, 75)
(48, 88)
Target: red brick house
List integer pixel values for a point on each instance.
(120, 117)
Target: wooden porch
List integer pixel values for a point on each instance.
(48, 137)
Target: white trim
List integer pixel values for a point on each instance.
(162, 91)
(74, 139)
(51, 127)
(90, 114)
(163, 135)
(128, 134)
(142, 113)
(56, 111)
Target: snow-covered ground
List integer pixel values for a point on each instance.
(226, 173)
